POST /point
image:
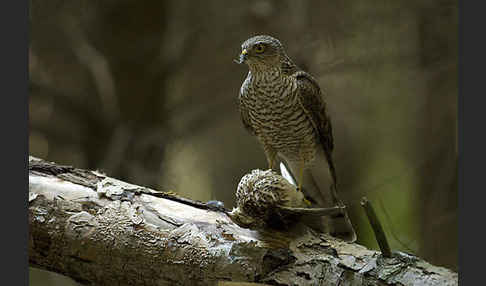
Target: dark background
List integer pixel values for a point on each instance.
(146, 91)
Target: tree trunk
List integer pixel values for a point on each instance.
(102, 231)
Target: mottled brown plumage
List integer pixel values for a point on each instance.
(283, 107)
(266, 199)
(258, 196)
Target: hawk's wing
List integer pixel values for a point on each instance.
(314, 106)
(244, 113)
(311, 100)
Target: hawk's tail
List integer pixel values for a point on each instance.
(320, 188)
(337, 225)
(342, 226)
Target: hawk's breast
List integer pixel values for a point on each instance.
(278, 118)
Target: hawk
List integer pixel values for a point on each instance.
(283, 107)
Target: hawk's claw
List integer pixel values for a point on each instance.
(215, 205)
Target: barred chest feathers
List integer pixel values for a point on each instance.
(276, 115)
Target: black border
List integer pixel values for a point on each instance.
(472, 62)
(14, 28)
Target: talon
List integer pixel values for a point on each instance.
(215, 205)
(307, 202)
(171, 193)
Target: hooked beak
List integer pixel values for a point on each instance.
(243, 56)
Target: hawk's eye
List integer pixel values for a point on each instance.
(259, 48)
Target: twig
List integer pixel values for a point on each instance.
(390, 225)
(377, 228)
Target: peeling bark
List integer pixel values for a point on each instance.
(102, 231)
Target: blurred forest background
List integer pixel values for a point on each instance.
(146, 91)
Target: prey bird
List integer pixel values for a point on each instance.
(283, 107)
(265, 199)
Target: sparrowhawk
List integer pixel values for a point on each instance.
(282, 106)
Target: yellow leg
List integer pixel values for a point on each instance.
(271, 154)
(301, 179)
(301, 175)
(270, 163)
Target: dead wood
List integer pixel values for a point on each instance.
(102, 231)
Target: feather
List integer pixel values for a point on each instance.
(317, 184)
(244, 116)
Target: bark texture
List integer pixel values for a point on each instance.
(102, 231)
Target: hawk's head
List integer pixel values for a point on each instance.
(261, 52)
